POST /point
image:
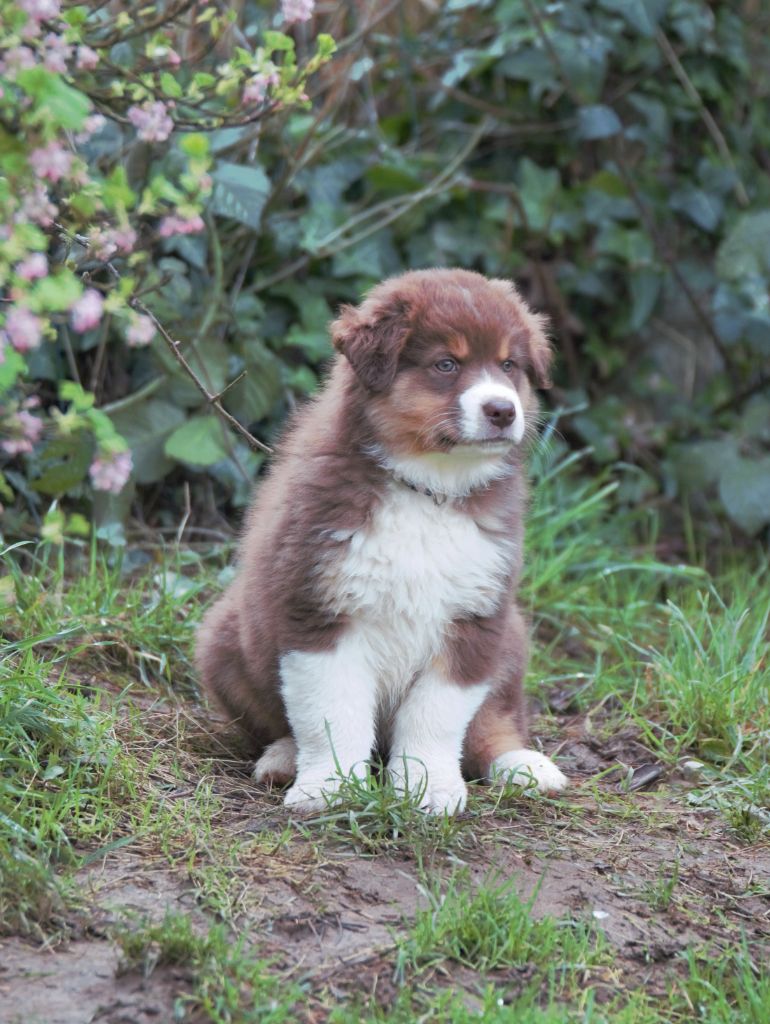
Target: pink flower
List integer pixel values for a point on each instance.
(87, 311)
(297, 10)
(87, 59)
(92, 124)
(18, 58)
(57, 51)
(28, 428)
(24, 329)
(41, 9)
(105, 242)
(110, 472)
(141, 331)
(32, 267)
(256, 89)
(37, 207)
(174, 225)
(151, 121)
(52, 161)
(125, 238)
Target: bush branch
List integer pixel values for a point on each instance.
(213, 400)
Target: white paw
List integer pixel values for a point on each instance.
(316, 786)
(438, 792)
(528, 768)
(278, 764)
(311, 794)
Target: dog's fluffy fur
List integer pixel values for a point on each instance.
(374, 604)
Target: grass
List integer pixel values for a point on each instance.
(227, 983)
(100, 753)
(490, 927)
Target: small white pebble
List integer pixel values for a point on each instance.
(600, 914)
(692, 769)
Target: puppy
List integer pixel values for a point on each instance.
(374, 604)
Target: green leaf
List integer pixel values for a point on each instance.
(239, 193)
(253, 398)
(540, 190)
(63, 463)
(393, 179)
(170, 85)
(67, 107)
(746, 249)
(116, 191)
(278, 41)
(145, 428)
(325, 46)
(10, 368)
(702, 208)
(744, 488)
(195, 144)
(644, 284)
(71, 391)
(643, 15)
(55, 293)
(198, 442)
(598, 122)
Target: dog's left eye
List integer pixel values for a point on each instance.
(446, 365)
(507, 366)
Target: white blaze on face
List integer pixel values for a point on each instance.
(474, 423)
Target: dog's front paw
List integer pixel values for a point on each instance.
(436, 792)
(311, 794)
(530, 769)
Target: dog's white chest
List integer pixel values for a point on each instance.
(412, 570)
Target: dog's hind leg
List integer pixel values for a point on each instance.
(278, 764)
(495, 744)
(238, 686)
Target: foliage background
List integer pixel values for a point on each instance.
(610, 156)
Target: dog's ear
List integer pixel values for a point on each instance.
(372, 337)
(539, 351)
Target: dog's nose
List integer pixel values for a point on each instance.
(499, 412)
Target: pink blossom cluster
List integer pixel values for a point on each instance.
(27, 430)
(16, 59)
(110, 471)
(23, 328)
(87, 58)
(37, 207)
(87, 311)
(297, 10)
(56, 52)
(257, 88)
(176, 225)
(41, 10)
(151, 121)
(140, 331)
(166, 55)
(105, 242)
(51, 162)
(32, 267)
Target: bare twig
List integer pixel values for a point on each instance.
(711, 126)
(671, 263)
(214, 400)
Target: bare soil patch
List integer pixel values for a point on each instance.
(656, 874)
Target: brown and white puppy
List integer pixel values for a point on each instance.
(374, 604)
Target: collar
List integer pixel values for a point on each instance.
(435, 497)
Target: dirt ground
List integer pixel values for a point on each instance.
(327, 914)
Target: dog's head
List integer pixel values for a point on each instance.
(446, 357)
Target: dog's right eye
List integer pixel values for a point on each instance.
(446, 365)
